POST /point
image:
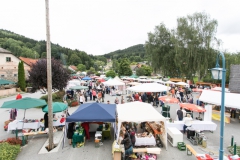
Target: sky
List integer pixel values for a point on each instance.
(102, 26)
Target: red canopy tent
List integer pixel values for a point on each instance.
(168, 99)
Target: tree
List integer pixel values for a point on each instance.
(91, 71)
(21, 76)
(124, 68)
(74, 59)
(38, 75)
(147, 70)
(140, 71)
(194, 45)
(81, 67)
(111, 73)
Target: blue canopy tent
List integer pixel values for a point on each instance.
(86, 78)
(94, 112)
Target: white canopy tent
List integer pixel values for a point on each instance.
(118, 79)
(214, 97)
(134, 83)
(219, 89)
(148, 87)
(168, 82)
(113, 82)
(142, 112)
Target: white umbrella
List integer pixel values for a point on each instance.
(113, 82)
(83, 82)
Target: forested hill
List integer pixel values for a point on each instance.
(22, 46)
(134, 53)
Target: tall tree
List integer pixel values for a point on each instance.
(111, 73)
(21, 76)
(195, 36)
(124, 68)
(38, 75)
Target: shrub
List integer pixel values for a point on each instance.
(56, 97)
(8, 151)
(74, 103)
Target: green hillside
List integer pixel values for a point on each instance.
(134, 53)
(22, 46)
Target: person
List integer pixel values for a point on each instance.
(103, 94)
(127, 145)
(99, 96)
(90, 94)
(85, 125)
(140, 99)
(173, 92)
(132, 137)
(55, 117)
(116, 100)
(19, 96)
(72, 93)
(144, 97)
(81, 99)
(136, 97)
(70, 131)
(108, 102)
(45, 120)
(94, 94)
(122, 100)
(13, 114)
(187, 122)
(86, 95)
(180, 114)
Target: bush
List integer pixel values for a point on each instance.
(56, 97)
(12, 141)
(8, 151)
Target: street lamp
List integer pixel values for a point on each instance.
(220, 74)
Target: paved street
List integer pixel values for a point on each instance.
(89, 152)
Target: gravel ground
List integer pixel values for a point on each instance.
(89, 152)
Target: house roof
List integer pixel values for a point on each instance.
(4, 51)
(73, 67)
(28, 61)
(133, 67)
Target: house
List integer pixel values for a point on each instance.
(9, 66)
(72, 68)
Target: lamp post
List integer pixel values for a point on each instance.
(220, 73)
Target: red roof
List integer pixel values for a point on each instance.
(28, 61)
(73, 67)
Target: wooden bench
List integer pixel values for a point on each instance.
(190, 150)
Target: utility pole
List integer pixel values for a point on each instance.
(49, 79)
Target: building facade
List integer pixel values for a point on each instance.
(9, 66)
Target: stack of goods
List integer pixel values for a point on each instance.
(6, 124)
(143, 156)
(144, 134)
(156, 126)
(30, 120)
(80, 131)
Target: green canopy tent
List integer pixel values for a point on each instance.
(57, 107)
(5, 82)
(24, 103)
(133, 76)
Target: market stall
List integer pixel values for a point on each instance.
(18, 125)
(143, 112)
(93, 113)
(213, 97)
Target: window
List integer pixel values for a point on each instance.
(8, 59)
(15, 75)
(2, 76)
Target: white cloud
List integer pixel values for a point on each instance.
(102, 26)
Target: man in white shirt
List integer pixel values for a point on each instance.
(187, 122)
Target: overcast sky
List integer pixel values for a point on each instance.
(101, 26)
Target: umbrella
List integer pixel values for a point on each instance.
(101, 80)
(86, 78)
(192, 107)
(24, 103)
(57, 107)
(167, 99)
(78, 87)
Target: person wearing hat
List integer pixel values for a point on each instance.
(187, 122)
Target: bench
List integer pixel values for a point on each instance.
(190, 150)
